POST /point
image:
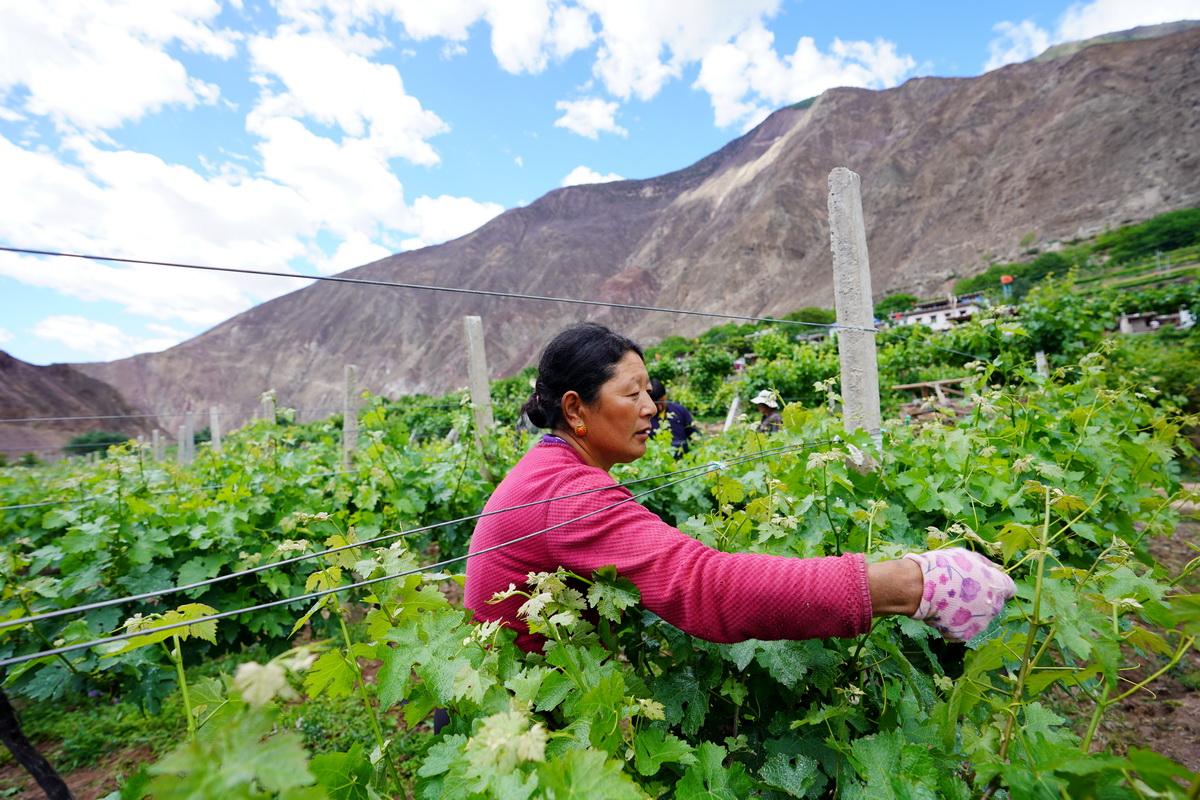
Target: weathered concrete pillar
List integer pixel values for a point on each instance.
(156, 445)
(734, 408)
(852, 297)
(214, 427)
(350, 394)
(1043, 368)
(268, 406)
(477, 372)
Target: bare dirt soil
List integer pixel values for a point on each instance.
(1167, 717)
(86, 783)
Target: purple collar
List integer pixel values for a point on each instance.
(550, 438)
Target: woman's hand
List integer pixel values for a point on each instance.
(963, 591)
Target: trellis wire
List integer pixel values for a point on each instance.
(434, 288)
(702, 468)
(712, 467)
(64, 501)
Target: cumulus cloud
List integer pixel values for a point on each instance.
(1016, 42)
(5, 336)
(582, 174)
(644, 45)
(324, 82)
(439, 219)
(96, 66)
(1023, 40)
(589, 117)
(355, 250)
(95, 339)
(745, 77)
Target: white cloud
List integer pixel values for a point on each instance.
(645, 44)
(1024, 40)
(6, 336)
(589, 117)
(1084, 20)
(520, 162)
(98, 65)
(98, 340)
(324, 82)
(582, 174)
(130, 204)
(1016, 42)
(745, 77)
(355, 251)
(439, 219)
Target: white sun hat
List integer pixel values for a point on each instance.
(765, 398)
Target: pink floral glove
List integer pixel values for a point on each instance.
(963, 592)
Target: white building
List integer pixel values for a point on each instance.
(942, 315)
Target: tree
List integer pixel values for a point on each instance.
(94, 442)
(900, 301)
(814, 314)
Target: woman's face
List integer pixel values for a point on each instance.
(618, 422)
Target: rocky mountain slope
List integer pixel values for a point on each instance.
(956, 172)
(27, 390)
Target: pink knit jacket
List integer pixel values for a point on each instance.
(721, 597)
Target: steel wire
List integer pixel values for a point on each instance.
(386, 537)
(435, 288)
(712, 467)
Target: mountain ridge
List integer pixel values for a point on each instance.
(956, 172)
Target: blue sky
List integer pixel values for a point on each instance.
(315, 135)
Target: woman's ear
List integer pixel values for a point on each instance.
(572, 408)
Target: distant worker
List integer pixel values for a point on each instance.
(677, 416)
(768, 406)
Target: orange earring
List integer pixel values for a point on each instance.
(581, 431)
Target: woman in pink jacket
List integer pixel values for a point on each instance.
(591, 394)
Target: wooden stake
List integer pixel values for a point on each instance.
(852, 297)
(349, 415)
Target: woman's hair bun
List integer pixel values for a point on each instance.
(533, 409)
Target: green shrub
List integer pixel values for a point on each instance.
(94, 442)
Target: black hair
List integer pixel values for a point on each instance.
(657, 390)
(580, 359)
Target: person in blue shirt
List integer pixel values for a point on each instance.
(683, 427)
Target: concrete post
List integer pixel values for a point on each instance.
(349, 415)
(1124, 325)
(852, 297)
(214, 427)
(477, 372)
(268, 406)
(731, 417)
(156, 445)
(189, 439)
(1043, 368)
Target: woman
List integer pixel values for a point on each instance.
(591, 393)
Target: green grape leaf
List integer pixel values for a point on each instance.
(586, 775)
(343, 776)
(444, 755)
(653, 747)
(611, 594)
(188, 611)
(201, 568)
(330, 674)
(708, 778)
(795, 774)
